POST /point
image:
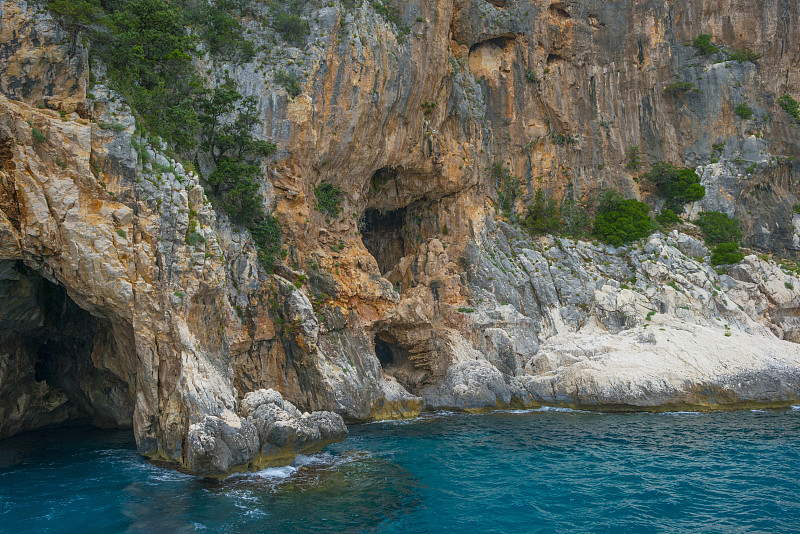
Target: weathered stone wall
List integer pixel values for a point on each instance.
(467, 312)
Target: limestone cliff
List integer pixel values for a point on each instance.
(417, 295)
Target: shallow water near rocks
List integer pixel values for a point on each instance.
(515, 471)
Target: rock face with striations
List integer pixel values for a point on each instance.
(417, 295)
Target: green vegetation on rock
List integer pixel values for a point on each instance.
(790, 106)
(726, 254)
(148, 52)
(678, 88)
(547, 216)
(724, 233)
(619, 221)
(719, 228)
(744, 55)
(507, 186)
(329, 199)
(667, 217)
(744, 111)
(677, 185)
(704, 46)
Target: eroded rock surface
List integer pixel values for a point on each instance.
(420, 294)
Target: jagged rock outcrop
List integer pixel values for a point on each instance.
(270, 432)
(128, 299)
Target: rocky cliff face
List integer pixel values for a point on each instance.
(417, 295)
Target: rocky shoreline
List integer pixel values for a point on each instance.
(130, 298)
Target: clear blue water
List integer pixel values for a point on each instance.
(541, 471)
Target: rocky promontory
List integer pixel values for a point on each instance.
(394, 151)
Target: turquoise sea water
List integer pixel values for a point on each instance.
(537, 471)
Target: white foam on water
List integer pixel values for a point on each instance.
(276, 472)
(556, 409)
(795, 408)
(314, 459)
(681, 414)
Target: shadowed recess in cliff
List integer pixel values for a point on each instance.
(382, 234)
(49, 349)
(397, 361)
(558, 12)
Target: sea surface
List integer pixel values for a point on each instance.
(549, 471)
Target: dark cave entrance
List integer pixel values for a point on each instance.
(382, 234)
(49, 345)
(397, 362)
(391, 355)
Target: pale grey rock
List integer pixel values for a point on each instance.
(270, 431)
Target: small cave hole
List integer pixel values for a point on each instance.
(382, 235)
(497, 3)
(554, 58)
(500, 42)
(558, 12)
(384, 352)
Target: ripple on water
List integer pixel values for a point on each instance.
(542, 470)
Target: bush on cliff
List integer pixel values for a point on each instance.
(667, 217)
(726, 254)
(704, 46)
(619, 221)
(508, 189)
(719, 228)
(723, 232)
(329, 199)
(542, 215)
(790, 106)
(149, 55)
(677, 185)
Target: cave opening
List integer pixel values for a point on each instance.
(558, 11)
(383, 236)
(500, 42)
(383, 351)
(54, 352)
(397, 362)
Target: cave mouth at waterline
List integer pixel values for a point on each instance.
(48, 349)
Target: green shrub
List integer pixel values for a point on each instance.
(704, 46)
(561, 139)
(543, 215)
(744, 111)
(719, 228)
(619, 221)
(291, 26)
(38, 136)
(726, 254)
(676, 184)
(633, 158)
(466, 310)
(267, 237)
(667, 217)
(789, 285)
(790, 106)
(122, 233)
(329, 199)
(507, 187)
(744, 55)
(678, 88)
(116, 126)
(531, 76)
(289, 82)
(392, 15)
(222, 32)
